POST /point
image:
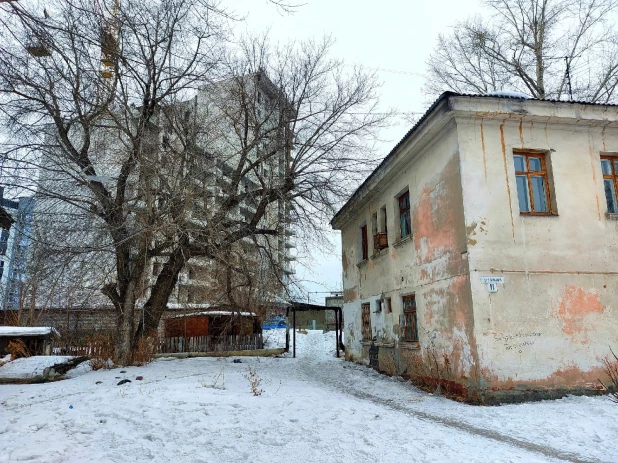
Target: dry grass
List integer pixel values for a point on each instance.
(100, 348)
(17, 348)
(611, 368)
(145, 350)
(254, 382)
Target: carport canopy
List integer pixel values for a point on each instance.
(305, 307)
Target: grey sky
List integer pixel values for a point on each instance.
(394, 36)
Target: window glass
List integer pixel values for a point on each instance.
(408, 320)
(404, 215)
(539, 193)
(522, 193)
(535, 164)
(606, 167)
(520, 163)
(364, 243)
(532, 182)
(609, 166)
(610, 196)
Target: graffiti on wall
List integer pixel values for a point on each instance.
(517, 341)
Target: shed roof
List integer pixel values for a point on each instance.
(12, 331)
(213, 313)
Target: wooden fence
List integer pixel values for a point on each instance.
(173, 345)
(99, 348)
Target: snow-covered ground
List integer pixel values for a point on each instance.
(315, 408)
(29, 367)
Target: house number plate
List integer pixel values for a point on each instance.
(492, 280)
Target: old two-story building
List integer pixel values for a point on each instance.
(482, 253)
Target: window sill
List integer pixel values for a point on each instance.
(362, 263)
(407, 345)
(402, 241)
(385, 344)
(367, 343)
(380, 253)
(611, 216)
(537, 214)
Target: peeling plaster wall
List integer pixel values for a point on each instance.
(555, 317)
(432, 264)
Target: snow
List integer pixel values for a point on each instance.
(27, 331)
(216, 312)
(173, 305)
(315, 408)
(509, 94)
(29, 367)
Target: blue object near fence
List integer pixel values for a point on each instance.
(273, 324)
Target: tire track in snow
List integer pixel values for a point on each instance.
(471, 429)
(313, 369)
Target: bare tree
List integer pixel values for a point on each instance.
(545, 48)
(152, 144)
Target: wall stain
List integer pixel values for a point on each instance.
(506, 174)
(484, 152)
(470, 232)
(349, 295)
(567, 376)
(521, 132)
(593, 164)
(575, 306)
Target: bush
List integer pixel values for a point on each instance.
(17, 348)
(611, 368)
(254, 382)
(145, 350)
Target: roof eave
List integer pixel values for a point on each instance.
(440, 107)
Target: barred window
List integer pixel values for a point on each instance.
(408, 323)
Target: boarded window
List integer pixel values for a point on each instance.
(408, 323)
(404, 214)
(609, 167)
(366, 322)
(532, 183)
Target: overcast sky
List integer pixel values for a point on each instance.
(394, 36)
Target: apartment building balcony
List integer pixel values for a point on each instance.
(288, 270)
